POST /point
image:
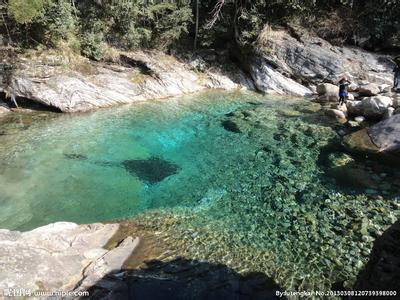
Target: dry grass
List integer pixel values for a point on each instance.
(268, 34)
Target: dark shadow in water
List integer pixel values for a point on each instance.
(151, 170)
(359, 175)
(382, 272)
(184, 279)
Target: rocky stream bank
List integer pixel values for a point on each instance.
(98, 257)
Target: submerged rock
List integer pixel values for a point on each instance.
(151, 170)
(230, 125)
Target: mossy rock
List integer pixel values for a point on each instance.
(338, 159)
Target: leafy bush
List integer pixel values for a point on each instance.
(24, 11)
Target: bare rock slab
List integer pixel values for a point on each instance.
(60, 256)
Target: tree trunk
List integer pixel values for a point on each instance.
(196, 31)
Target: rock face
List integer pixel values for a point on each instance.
(310, 59)
(60, 256)
(268, 80)
(138, 76)
(382, 138)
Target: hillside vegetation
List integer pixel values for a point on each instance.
(91, 27)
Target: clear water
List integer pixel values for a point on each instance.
(257, 196)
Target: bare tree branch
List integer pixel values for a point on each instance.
(215, 14)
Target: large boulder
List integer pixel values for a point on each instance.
(327, 92)
(269, 80)
(382, 139)
(375, 107)
(354, 107)
(370, 89)
(61, 256)
(327, 88)
(335, 113)
(310, 59)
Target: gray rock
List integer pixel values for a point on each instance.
(313, 60)
(142, 76)
(59, 256)
(389, 112)
(382, 139)
(327, 88)
(385, 88)
(335, 113)
(370, 89)
(359, 119)
(386, 134)
(269, 80)
(375, 107)
(353, 87)
(354, 107)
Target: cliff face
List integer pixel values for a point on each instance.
(310, 60)
(73, 86)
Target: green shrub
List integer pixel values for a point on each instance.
(92, 45)
(24, 11)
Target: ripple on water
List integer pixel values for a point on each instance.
(264, 196)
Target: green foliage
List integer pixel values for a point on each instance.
(90, 26)
(23, 11)
(56, 23)
(92, 45)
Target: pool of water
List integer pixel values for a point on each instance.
(257, 183)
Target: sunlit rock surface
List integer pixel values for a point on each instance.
(83, 85)
(60, 256)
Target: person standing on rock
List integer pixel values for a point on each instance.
(396, 70)
(343, 84)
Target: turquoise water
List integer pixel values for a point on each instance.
(257, 183)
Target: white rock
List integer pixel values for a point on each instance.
(57, 255)
(327, 88)
(385, 88)
(375, 106)
(359, 119)
(350, 97)
(335, 113)
(354, 107)
(389, 112)
(268, 80)
(111, 262)
(370, 89)
(353, 87)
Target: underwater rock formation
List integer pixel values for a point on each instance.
(150, 170)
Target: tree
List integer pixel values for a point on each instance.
(24, 11)
(196, 31)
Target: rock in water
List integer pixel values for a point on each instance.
(75, 156)
(151, 170)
